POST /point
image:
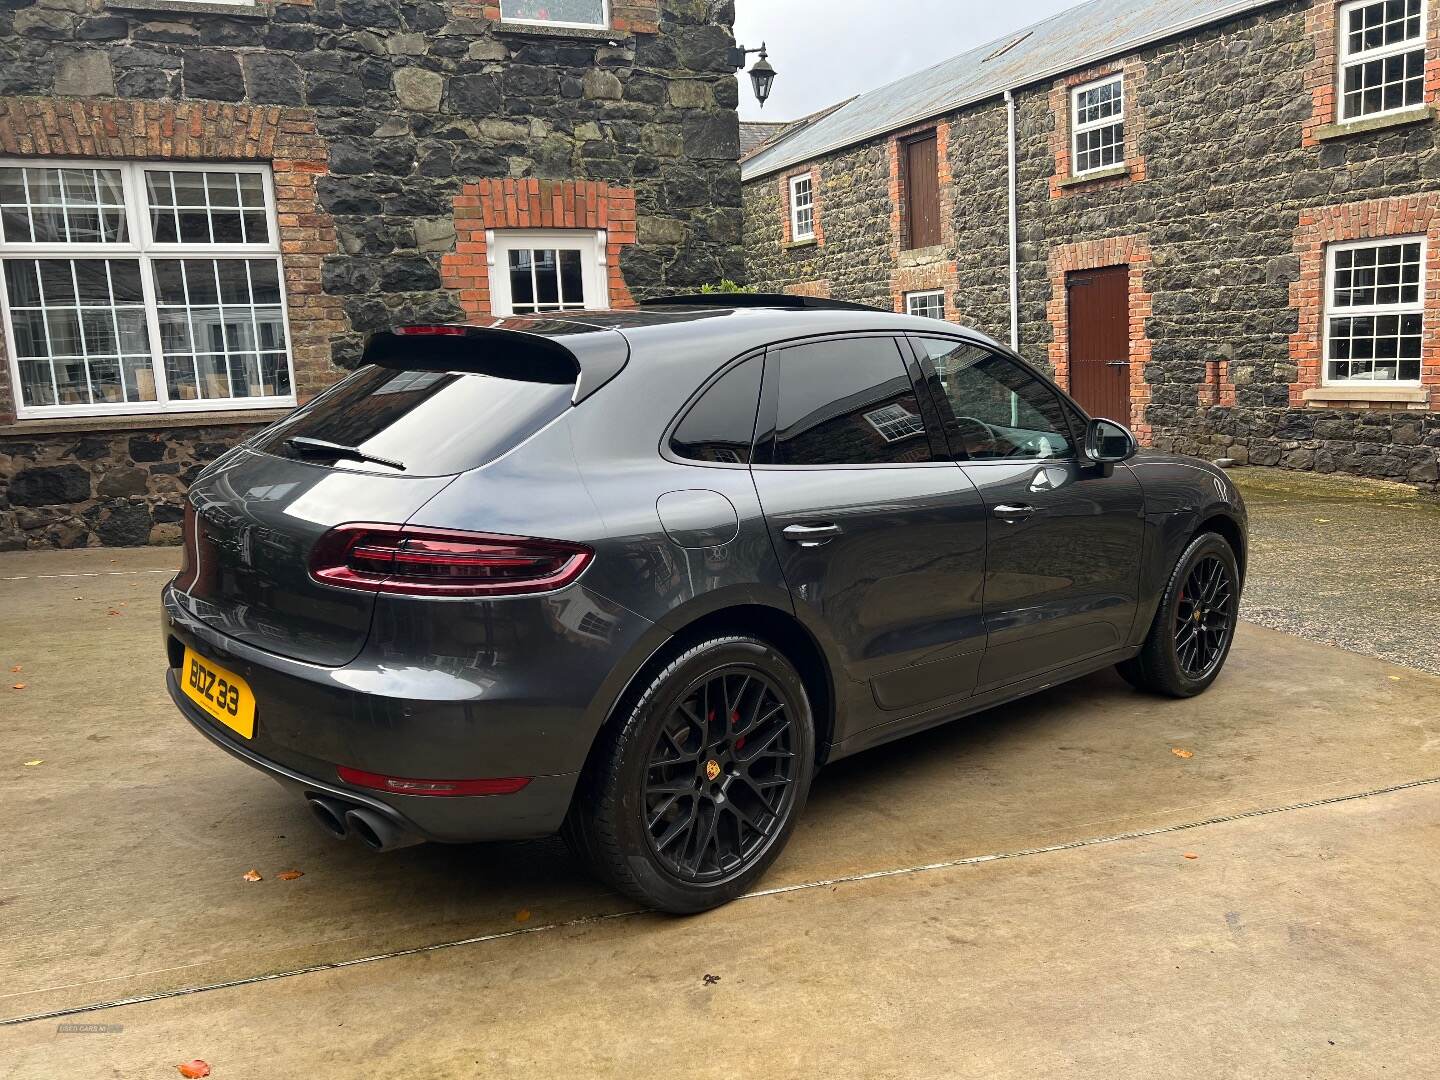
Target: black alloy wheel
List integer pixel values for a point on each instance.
(696, 784)
(1204, 617)
(721, 774)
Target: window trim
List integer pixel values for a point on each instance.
(139, 248)
(796, 236)
(1345, 59)
(593, 245)
(604, 24)
(925, 294)
(666, 449)
(1077, 128)
(1329, 311)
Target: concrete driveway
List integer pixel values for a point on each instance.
(1012, 896)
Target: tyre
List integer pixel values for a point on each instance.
(694, 791)
(1195, 625)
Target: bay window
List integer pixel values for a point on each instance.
(141, 288)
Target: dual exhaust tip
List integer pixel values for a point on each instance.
(375, 830)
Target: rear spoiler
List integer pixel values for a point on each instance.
(587, 356)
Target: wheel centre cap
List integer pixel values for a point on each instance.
(712, 770)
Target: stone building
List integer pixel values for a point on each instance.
(1226, 218)
(205, 207)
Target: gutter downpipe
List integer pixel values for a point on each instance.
(1014, 228)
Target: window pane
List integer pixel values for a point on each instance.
(841, 403)
(927, 305)
(215, 324)
(582, 12)
(721, 425)
(61, 206)
(74, 343)
(522, 282)
(572, 280)
(1000, 410)
(547, 280)
(207, 207)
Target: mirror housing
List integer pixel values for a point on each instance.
(1109, 443)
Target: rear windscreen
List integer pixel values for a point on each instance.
(432, 422)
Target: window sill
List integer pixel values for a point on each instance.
(1115, 172)
(1376, 123)
(922, 256)
(184, 7)
(1410, 397)
(792, 245)
(62, 425)
(581, 33)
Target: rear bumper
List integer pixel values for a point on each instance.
(420, 717)
(534, 811)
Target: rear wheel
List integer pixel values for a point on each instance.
(687, 801)
(1195, 626)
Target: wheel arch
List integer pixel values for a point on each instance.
(1231, 531)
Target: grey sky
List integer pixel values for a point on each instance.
(826, 50)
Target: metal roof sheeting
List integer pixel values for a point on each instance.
(1068, 41)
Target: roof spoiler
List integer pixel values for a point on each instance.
(589, 358)
(757, 300)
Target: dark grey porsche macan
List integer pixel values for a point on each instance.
(634, 576)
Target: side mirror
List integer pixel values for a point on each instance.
(1109, 443)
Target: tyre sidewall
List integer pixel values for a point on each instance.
(643, 729)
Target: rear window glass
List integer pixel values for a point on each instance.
(721, 425)
(432, 422)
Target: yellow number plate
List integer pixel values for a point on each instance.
(221, 693)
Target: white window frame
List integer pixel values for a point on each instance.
(590, 243)
(795, 181)
(1330, 311)
(1347, 59)
(604, 24)
(924, 294)
(895, 423)
(141, 249)
(1077, 128)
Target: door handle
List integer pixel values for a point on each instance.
(1013, 514)
(810, 536)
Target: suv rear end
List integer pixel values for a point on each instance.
(395, 674)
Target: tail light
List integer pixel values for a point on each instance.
(430, 331)
(397, 785)
(443, 562)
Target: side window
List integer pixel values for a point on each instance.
(848, 402)
(720, 427)
(999, 410)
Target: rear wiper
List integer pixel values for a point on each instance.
(321, 448)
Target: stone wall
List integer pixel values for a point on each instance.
(1227, 187)
(376, 115)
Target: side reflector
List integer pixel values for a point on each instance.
(443, 562)
(400, 786)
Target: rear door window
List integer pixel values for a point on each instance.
(434, 423)
(848, 401)
(720, 427)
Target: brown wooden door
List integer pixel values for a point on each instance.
(1100, 341)
(922, 192)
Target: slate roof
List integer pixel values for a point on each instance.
(1068, 41)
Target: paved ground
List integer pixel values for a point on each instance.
(1345, 561)
(1299, 942)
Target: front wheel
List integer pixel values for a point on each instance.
(1195, 626)
(692, 795)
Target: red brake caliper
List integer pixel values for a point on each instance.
(735, 719)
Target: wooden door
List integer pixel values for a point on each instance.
(1100, 341)
(922, 192)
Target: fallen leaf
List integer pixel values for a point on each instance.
(523, 915)
(290, 875)
(15, 668)
(1393, 678)
(112, 611)
(194, 1069)
(1322, 521)
(252, 875)
(711, 980)
(20, 686)
(32, 764)
(1191, 855)
(1183, 753)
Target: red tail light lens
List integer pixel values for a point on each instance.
(430, 331)
(400, 786)
(442, 562)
